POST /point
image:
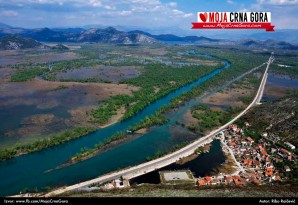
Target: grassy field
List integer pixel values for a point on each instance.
(192, 191)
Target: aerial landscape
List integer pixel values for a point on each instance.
(97, 100)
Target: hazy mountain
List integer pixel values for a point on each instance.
(15, 42)
(3, 25)
(69, 30)
(288, 35)
(112, 35)
(107, 35)
(45, 34)
(268, 44)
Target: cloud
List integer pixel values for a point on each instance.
(243, 10)
(9, 13)
(284, 12)
(182, 14)
(230, 1)
(84, 12)
(172, 4)
(278, 2)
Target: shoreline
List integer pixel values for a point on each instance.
(114, 119)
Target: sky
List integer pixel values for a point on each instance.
(142, 13)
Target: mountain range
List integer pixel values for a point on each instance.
(112, 35)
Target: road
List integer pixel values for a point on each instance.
(170, 158)
(240, 168)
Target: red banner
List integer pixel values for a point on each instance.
(266, 26)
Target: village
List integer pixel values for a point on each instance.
(259, 161)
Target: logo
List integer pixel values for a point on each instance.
(234, 20)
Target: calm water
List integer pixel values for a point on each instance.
(279, 80)
(282, 81)
(12, 117)
(29, 171)
(201, 166)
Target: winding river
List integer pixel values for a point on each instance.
(28, 172)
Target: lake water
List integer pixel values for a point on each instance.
(280, 81)
(201, 166)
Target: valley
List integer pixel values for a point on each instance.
(82, 103)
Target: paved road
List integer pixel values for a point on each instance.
(170, 158)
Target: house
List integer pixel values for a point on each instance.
(232, 144)
(249, 139)
(228, 179)
(276, 177)
(284, 151)
(215, 182)
(292, 147)
(264, 153)
(202, 182)
(269, 172)
(265, 134)
(238, 181)
(287, 168)
(247, 124)
(208, 179)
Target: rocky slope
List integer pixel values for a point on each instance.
(17, 42)
(280, 117)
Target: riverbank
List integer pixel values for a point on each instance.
(115, 118)
(65, 136)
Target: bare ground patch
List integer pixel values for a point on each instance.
(110, 73)
(275, 91)
(189, 118)
(229, 97)
(52, 108)
(31, 56)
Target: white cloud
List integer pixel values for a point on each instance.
(133, 12)
(230, 1)
(278, 2)
(172, 4)
(187, 15)
(124, 13)
(243, 10)
(182, 14)
(177, 12)
(9, 13)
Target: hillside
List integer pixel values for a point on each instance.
(253, 44)
(191, 191)
(111, 35)
(279, 117)
(17, 42)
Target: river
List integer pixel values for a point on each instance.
(28, 172)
